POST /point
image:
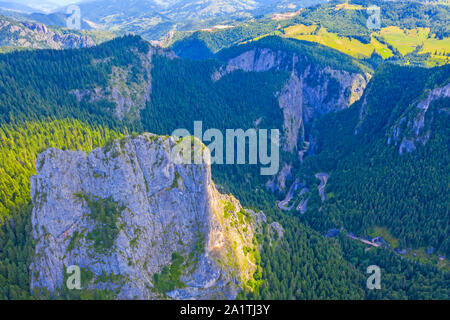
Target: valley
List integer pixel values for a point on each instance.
(88, 176)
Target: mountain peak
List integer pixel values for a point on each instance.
(156, 215)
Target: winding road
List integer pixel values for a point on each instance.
(283, 204)
(303, 202)
(323, 177)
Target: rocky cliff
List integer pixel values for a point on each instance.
(414, 127)
(141, 224)
(129, 87)
(310, 91)
(35, 35)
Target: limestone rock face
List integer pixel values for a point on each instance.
(256, 60)
(38, 36)
(155, 210)
(311, 89)
(128, 88)
(414, 127)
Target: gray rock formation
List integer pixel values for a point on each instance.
(311, 90)
(290, 100)
(275, 231)
(128, 90)
(151, 209)
(415, 125)
(256, 60)
(278, 182)
(38, 36)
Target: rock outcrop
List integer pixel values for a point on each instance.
(310, 91)
(35, 35)
(414, 127)
(256, 60)
(321, 88)
(129, 87)
(133, 216)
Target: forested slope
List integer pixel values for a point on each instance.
(409, 32)
(374, 183)
(39, 110)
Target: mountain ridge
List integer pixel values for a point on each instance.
(150, 194)
(371, 190)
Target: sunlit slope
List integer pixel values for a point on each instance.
(386, 42)
(409, 34)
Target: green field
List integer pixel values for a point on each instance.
(348, 45)
(387, 42)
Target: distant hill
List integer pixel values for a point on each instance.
(154, 19)
(410, 33)
(16, 34)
